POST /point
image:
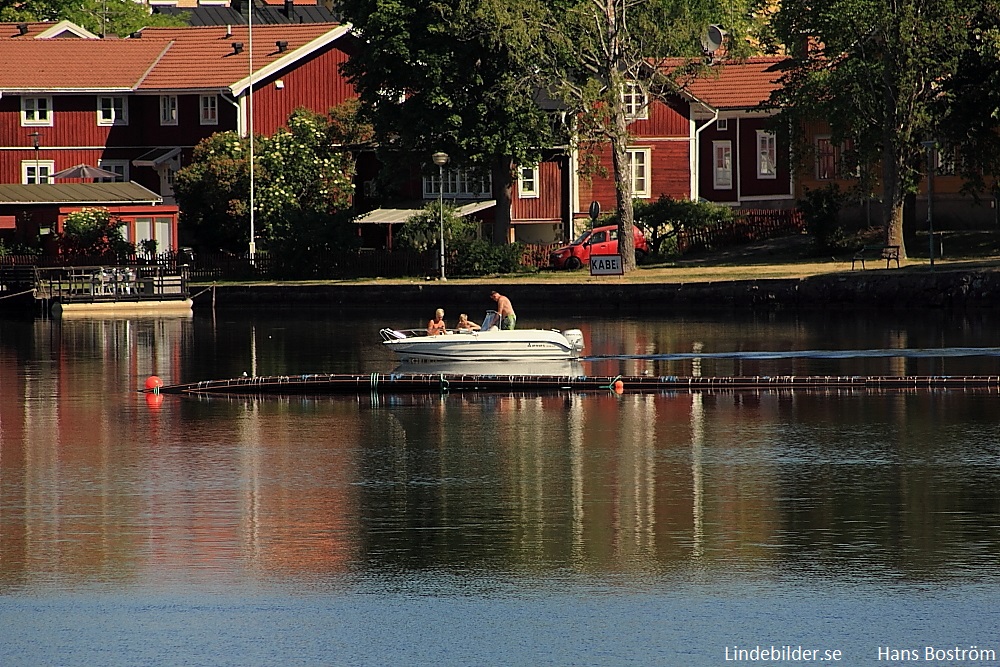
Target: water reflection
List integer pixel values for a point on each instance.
(99, 485)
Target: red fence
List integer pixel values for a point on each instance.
(748, 226)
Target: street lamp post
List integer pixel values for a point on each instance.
(930, 145)
(441, 159)
(35, 138)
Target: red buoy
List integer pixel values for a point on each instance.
(153, 383)
(619, 386)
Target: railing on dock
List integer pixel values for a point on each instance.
(94, 284)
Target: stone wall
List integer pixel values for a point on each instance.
(879, 289)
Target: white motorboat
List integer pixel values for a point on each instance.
(487, 344)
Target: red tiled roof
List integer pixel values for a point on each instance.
(739, 84)
(76, 64)
(203, 57)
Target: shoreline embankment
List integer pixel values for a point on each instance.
(884, 289)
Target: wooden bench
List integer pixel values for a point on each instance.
(886, 252)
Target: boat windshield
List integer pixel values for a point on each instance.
(491, 320)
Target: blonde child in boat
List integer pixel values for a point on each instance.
(465, 325)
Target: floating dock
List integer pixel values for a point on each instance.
(393, 383)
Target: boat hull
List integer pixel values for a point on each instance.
(492, 345)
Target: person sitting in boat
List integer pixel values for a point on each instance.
(436, 326)
(505, 311)
(465, 325)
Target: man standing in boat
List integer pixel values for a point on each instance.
(504, 310)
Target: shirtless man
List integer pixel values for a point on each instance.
(436, 327)
(504, 310)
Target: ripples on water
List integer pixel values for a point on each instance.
(562, 529)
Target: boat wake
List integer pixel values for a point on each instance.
(812, 354)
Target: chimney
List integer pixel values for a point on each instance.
(237, 48)
(22, 28)
(229, 31)
(282, 45)
(136, 35)
(289, 8)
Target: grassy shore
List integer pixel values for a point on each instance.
(788, 257)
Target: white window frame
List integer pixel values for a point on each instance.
(722, 125)
(168, 110)
(767, 155)
(36, 111)
(527, 182)
(44, 175)
(120, 167)
(722, 165)
(459, 184)
(115, 113)
(635, 101)
(640, 171)
(208, 106)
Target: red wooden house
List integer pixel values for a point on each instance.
(138, 106)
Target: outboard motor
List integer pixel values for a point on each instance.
(575, 338)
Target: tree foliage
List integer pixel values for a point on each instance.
(440, 77)
(102, 17)
(94, 232)
(303, 185)
(872, 69)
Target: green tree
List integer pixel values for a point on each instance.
(103, 17)
(441, 77)
(873, 70)
(213, 194)
(303, 179)
(593, 53)
(969, 104)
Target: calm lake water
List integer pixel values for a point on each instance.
(498, 529)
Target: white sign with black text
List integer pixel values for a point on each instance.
(606, 265)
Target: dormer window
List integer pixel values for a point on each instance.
(635, 101)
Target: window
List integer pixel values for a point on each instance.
(112, 111)
(459, 183)
(722, 160)
(37, 171)
(827, 159)
(168, 109)
(527, 182)
(143, 230)
(767, 155)
(163, 240)
(638, 167)
(634, 99)
(120, 167)
(36, 111)
(722, 125)
(209, 109)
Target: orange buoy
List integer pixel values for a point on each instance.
(619, 386)
(153, 383)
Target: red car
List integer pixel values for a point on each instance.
(597, 241)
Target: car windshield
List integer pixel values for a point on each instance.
(582, 237)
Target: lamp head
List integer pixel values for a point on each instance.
(440, 159)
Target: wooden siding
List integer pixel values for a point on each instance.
(666, 119)
(669, 174)
(706, 162)
(315, 83)
(549, 204)
(750, 184)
